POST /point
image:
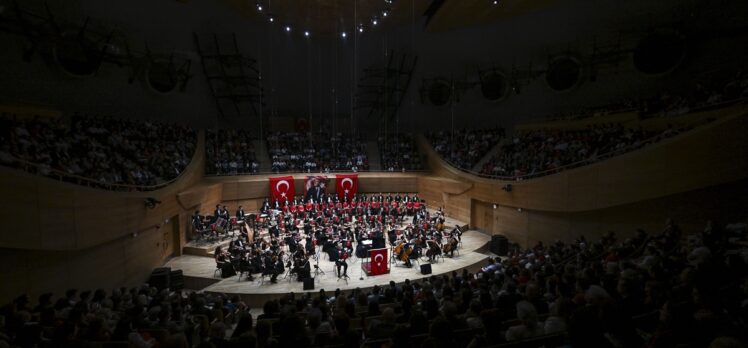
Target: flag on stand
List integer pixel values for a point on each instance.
(378, 261)
(282, 188)
(346, 185)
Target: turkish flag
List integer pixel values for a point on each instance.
(346, 185)
(378, 261)
(282, 188)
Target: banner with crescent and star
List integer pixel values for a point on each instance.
(282, 188)
(346, 185)
(378, 261)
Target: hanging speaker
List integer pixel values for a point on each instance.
(564, 73)
(494, 85)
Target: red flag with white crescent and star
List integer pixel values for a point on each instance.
(282, 188)
(346, 185)
(378, 261)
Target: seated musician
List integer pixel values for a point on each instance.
(457, 233)
(406, 248)
(340, 255)
(225, 213)
(223, 263)
(277, 269)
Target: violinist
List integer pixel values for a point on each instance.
(277, 269)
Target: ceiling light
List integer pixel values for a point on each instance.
(306, 33)
(259, 7)
(288, 28)
(360, 29)
(272, 19)
(384, 14)
(495, 2)
(343, 34)
(374, 21)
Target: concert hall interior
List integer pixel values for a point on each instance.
(374, 173)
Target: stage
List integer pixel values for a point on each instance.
(199, 273)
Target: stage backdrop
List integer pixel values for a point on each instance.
(315, 186)
(282, 188)
(346, 185)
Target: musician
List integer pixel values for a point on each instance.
(457, 232)
(340, 255)
(303, 269)
(224, 213)
(277, 269)
(406, 247)
(265, 209)
(197, 221)
(240, 214)
(216, 213)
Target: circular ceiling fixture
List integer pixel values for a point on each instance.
(161, 76)
(494, 85)
(440, 92)
(563, 73)
(76, 55)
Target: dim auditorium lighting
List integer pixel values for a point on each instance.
(288, 28)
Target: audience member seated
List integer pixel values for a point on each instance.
(464, 148)
(230, 152)
(102, 151)
(398, 153)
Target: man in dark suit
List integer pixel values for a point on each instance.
(315, 191)
(240, 214)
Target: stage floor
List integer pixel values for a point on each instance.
(473, 253)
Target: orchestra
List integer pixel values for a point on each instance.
(298, 230)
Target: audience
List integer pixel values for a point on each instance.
(97, 150)
(464, 148)
(650, 290)
(318, 152)
(546, 151)
(230, 152)
(398, 152)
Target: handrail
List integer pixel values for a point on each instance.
(84, 181)
(314, 172)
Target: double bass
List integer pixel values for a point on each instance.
(402, 252)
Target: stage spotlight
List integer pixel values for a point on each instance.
(288, 29)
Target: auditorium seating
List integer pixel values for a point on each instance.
(398, 152)
(654, 289)
(230, 152)
(109, 153)
(464, 148)
(317, 152)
